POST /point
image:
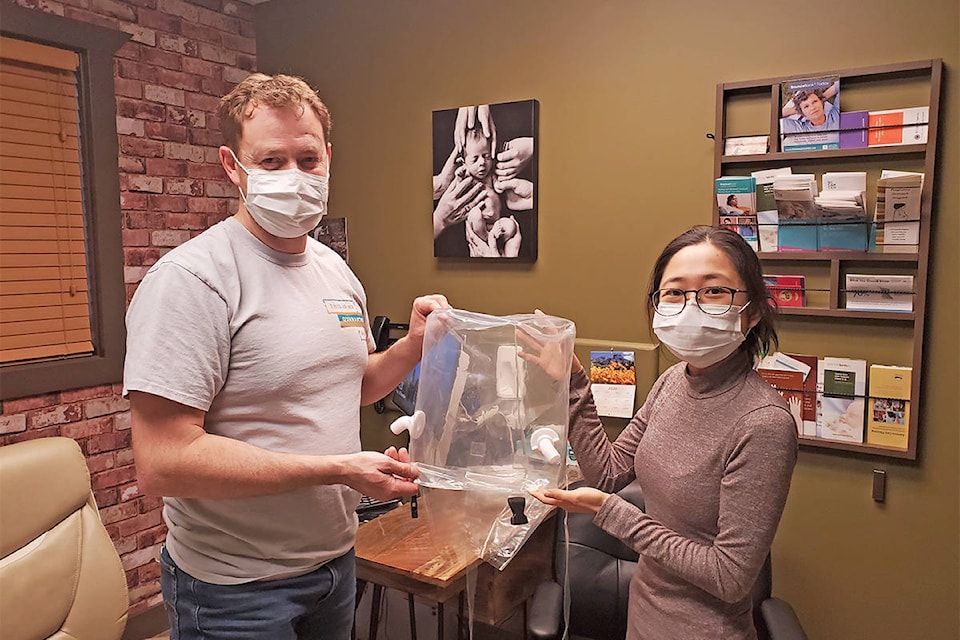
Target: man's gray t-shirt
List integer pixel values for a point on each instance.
(273, 347)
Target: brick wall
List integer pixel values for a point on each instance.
(182, 56)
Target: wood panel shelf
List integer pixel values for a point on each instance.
(880, 337)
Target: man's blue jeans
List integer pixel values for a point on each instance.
(316, 606)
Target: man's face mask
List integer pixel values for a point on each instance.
(287, 203)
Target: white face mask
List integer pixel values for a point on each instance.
(699, 338)
(287, 203)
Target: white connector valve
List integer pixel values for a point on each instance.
(544, 441)
(414, 424)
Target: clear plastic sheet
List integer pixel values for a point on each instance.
(490, 425)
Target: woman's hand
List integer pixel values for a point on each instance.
(546, 354)
(514, 157)
(582, 500)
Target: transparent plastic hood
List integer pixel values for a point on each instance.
(488, 424)
(486, 418)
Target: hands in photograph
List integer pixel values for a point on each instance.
(506, 231)
(582, 500)
(502, 226)
(514, 157)
(467, 118)
(463, 194)
(447, 174)
(480, 248)
(517, 192)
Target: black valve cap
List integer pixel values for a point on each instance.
(517, 504)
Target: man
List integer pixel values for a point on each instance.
(249, 353)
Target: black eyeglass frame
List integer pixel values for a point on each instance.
(654, 297)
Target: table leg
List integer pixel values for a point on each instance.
(413, 617)
(361, 587)
(526, 619)
(461, 623)
(439, 621)
(375, 610)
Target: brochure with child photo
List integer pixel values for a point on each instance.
(810, 114)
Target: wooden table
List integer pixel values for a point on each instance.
(432, 563)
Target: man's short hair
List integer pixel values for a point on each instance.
(277, 91)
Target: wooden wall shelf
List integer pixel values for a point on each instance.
(831, 317)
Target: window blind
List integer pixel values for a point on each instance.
(44, 307)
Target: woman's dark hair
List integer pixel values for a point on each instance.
(731, 197)
(762, 338)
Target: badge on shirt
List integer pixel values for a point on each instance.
(348, 312)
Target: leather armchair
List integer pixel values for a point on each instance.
(60, 572)
(600, 568)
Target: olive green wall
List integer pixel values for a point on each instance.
(627, 94)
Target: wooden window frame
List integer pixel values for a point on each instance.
(102, 216)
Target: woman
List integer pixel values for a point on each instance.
(713, 447)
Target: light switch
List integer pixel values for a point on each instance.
(879, 485)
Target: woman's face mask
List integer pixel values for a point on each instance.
(699, 338)
(287, 203)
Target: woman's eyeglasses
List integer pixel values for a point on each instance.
(713, 301)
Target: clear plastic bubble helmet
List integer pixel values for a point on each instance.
(489, 424)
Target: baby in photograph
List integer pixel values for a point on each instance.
(489, 235)
(842, 419)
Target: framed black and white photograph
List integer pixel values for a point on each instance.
(333, 233)
(485, 181)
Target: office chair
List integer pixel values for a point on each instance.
(381, 328)
(61, 574)
(600, 567)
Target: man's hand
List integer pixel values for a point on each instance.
(378, 475)
(422, 307)
(582, 500)
(400, 455)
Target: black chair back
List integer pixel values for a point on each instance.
(600, 570)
